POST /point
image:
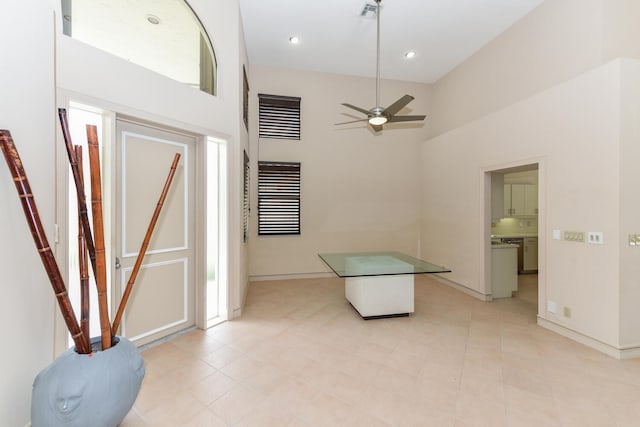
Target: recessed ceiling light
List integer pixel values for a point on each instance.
(409, 54)
(153, 19)
(294, 40)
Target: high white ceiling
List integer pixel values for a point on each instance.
(335, 38)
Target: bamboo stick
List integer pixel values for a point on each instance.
(145, 245)
(98, 229)
(83, 263)
(77, 178)
(40, 239)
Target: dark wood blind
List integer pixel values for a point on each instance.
(278, 198)
(279, 117)
(245, 98)
(245, 199)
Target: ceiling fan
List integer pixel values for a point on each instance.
(378, 116)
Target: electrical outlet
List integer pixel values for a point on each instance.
(574, 236)
(566, 311)
(595, 237)
(556, 234)
(551, 306)
(634, 239)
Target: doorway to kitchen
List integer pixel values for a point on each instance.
(512, 241)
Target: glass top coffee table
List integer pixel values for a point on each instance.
(379, 284)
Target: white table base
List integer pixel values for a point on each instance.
(376, 296)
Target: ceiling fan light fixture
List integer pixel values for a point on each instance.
(294, 39)
(377, 120)
(410, 54)
(378, 116)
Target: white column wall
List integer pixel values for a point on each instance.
(27, 110)
(573, 129)
(28, 77)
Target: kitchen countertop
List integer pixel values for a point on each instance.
(503, 245)
(511, 236)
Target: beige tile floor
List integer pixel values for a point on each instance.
(301, 356)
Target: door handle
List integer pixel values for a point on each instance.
(118, 263)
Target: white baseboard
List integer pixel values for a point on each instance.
(216, 321)
(438, 278)
(462, 288)
(631, 352)
(291, 276)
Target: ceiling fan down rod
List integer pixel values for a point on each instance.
(378, 108)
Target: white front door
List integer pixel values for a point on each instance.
(163, 298)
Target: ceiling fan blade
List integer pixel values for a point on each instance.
(376, 128)
(352, 121)
(406, 118)
(398, 105)
(362, 110)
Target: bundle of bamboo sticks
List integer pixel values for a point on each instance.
(91, 244)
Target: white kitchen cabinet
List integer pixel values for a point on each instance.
(497, 196)
(507, 200)
(531, 199)
(520, 200)
(517, 199)
(530, 254)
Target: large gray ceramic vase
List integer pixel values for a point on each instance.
(81, 390)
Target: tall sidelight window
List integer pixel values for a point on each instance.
(278, 198)
(279, 117)
(164, 36)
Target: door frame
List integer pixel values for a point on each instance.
(156, 136)
(485, 224)
(111, 111)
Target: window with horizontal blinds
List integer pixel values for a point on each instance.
(245, 199)
(278, 198)
(279, 117)
(245, 98)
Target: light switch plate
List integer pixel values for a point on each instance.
(556, 235)
(574, 236)
(595, 237)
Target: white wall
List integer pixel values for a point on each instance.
(573, 129)
(359, 190)
(243, 132)
(119, 85)
(630, 205)
(91, 72)
(557, 41)
(540, 57)
(28, 111)
(621, 31)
